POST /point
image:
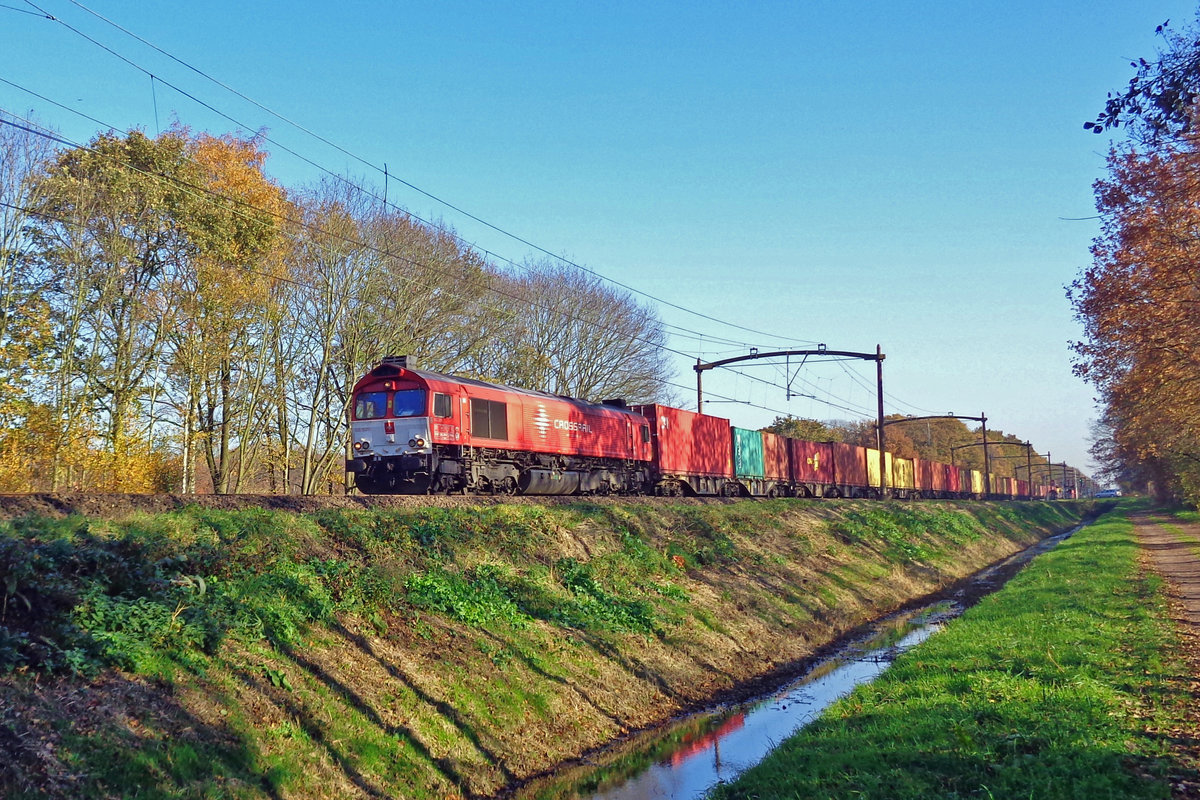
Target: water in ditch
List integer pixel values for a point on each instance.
(685, 759)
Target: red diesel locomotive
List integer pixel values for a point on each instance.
(417, 432)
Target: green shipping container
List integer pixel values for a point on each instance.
(747, 453)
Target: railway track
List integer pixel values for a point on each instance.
(93, 504)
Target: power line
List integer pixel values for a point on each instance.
(300, 223)
(673, 351)
(685, 333)
(361, 160)
(24, 11)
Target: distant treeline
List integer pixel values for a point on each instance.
(949, 441)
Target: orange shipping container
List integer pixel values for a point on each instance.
(775, 457)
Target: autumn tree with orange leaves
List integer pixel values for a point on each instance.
(1139, 301)
(228, 303)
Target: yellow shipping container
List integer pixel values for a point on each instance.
(904, 473)
(873, 468)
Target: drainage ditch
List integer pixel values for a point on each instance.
(685, 758)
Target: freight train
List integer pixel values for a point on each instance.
(420, 432)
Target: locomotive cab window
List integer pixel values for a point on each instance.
(370, 405)
(408, 403)
(442, 406)
(489, 419)
(645, 434)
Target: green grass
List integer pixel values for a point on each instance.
(1042, 690)
(408, 651)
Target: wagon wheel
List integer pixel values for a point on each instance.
(445, 484)
(508, 486)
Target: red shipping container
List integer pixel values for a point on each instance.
(849, 465)
(940, 481)
(687, 443)
(924, 474)
(953, 478)
(812, 462)
(775, 457)
(931, 475)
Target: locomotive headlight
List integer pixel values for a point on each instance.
(417, 442)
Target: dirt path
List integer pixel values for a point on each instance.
(1172, 550)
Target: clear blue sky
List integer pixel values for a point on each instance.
(888, 173)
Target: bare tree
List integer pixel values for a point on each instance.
(333, 267)
(573, 334)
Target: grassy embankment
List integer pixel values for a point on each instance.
(1046, 689)
(426, 653)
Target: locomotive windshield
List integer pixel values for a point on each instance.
(408, 403)
(405, 403)
(370, 405)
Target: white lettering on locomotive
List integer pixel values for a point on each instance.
(543, 422)
(567, 425)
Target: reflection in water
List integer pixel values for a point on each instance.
(688, 758)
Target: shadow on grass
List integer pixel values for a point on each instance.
(117, 737)
(443, 708)
(531, 665)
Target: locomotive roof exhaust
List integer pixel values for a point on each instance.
(403, 362)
